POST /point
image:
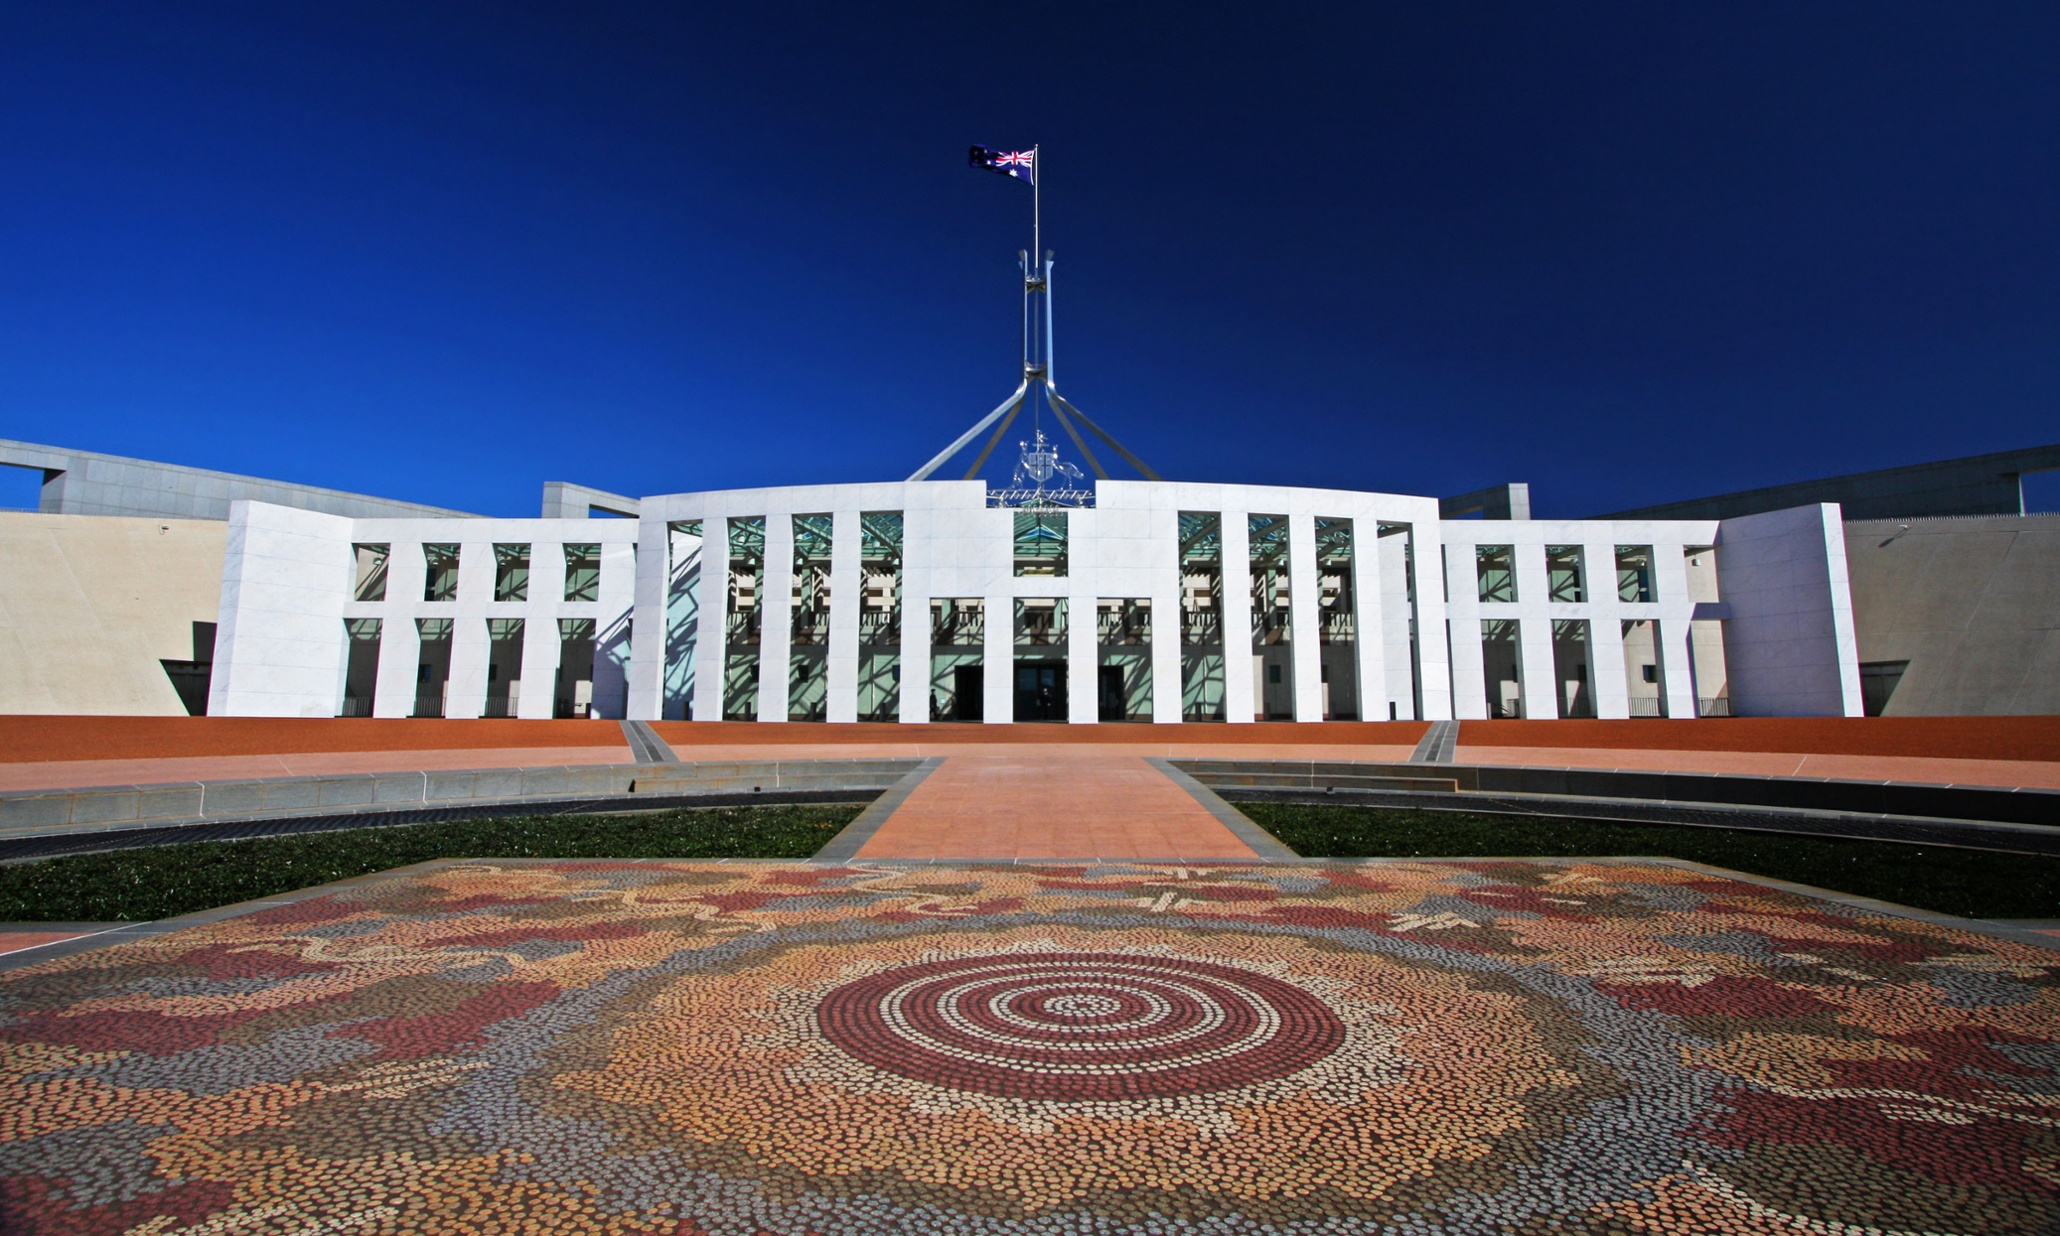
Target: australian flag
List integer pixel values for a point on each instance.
(1022, 164)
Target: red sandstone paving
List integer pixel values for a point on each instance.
(1037, 803)
(765, 1049)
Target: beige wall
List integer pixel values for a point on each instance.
(1971, 602)
(90, 603)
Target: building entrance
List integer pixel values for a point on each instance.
(1040, 691)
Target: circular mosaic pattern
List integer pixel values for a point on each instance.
(1080, 1026)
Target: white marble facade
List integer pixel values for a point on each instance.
(290, 574)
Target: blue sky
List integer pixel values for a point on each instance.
(446, 252)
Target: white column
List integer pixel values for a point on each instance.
(915, 636)
(710, 651)
(466, 694)
(1368, 629)
(1676, 666)
(844, 600)
(400, 652)
(1541, 687)
(776, 618)
(1083, 654)
(1433, 638)
(1469, 672)
(1605, 631)
(1237, 616)
(1303, 586)
(1166, 649)
(999, 656)
(540, 652)
(647, 649)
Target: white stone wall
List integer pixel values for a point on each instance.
(287, 586)
(1672, 607)
(289, 574)
(1789, 642)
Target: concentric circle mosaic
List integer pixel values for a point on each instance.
(749, 1049)
(1072, 1026)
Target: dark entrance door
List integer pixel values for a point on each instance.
(1113, 705)
(1040, 691)
(969, 693)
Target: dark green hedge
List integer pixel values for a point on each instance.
(145, 884)
(1969, 883)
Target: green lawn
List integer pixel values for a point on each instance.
(145, 884)
(1969, 883)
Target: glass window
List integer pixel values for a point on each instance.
(1565, 580)
(1634, 572)
(1040, 543)
(1495, 566)
(511, 572)
(582, 572)
(440, 579)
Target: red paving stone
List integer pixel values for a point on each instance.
(75, 774)
(2008, 773)
(16, 941)
(1040, 803)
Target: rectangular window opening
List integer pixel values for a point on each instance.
(808, 657)
(1337, 626)
(1273, 675)
(1040, 543)
(1200, 558)
(1565, 580)
(511, 572)
(880, 536)
(583, 572)
(1501, 662)
(683, 549)
(370, 584)
(440, 572)
(361, 664)
(504, 666)
(1495, 570)
(1570, 661)
(745, 616)
(433, 666)
(574, 696)
(1123, 641)
(958, 639)
(1634, 573)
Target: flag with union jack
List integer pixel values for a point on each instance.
(1022, 164)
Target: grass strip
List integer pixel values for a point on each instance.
(1968, 883)
(163, 881)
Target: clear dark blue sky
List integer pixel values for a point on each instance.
(448, 251)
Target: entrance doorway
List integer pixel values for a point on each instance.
(1040, 691)
(969, 693)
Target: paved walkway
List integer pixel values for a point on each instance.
(654, 1048)
(1051, 803)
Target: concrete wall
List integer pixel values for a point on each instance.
(1973, 604)
(89, 606)
(89, 483)
(1788, 614)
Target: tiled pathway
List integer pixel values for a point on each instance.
(1436, 1048)
(1041, 803)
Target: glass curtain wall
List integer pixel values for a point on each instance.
(1040, 545)
(1201, 616)
(1040, 647)
(745, 619)
(682, 615)
(1337, 625)
(808, 656)
(1123, 640)
(958, 635)
(1500, 665)
(1273, 661)
(879, 615)
(361, 666)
